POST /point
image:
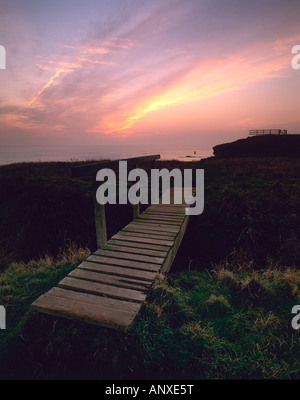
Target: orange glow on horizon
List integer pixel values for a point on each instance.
(203, 82)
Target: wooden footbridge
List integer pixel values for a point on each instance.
(110, 286)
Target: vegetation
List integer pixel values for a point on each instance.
(223, 312)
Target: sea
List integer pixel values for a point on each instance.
(16, 154)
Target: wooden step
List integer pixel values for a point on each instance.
(97, 310)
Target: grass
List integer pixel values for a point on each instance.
(217, 324)
(224, 311)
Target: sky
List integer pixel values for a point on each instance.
(184, 72)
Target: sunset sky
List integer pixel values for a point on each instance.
(147, 71)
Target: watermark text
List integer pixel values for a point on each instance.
(2, 317)
(296, 318)
(2, 57)
(296, 58)
(181, 192)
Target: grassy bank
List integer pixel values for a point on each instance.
(224, 311)
(195, 325)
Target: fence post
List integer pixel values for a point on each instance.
(136, 207)
(100, 221)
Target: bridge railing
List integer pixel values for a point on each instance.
(99, 209)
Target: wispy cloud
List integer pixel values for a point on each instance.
(75, 61)
(210, 78)
(48, 84)
(137, 60)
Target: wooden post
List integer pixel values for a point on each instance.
(136, 210)
(100, 221)
(153, 166)
(136, 207)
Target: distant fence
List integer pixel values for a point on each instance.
(258, 132)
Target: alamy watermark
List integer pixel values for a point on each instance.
(296, 319)
(2, 57)
(182, 192)
(296, 58)
(2, 317)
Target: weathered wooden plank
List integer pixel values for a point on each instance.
(169, 204)
(118, 271)
(101, 301)
(86, 311)
(164, 213)
(153, 227)
(160, 217)
(124, 263)
(101, 289)
(135, 250)
(130, 256)
(175, 224)
(146, 246)
(130, 237)
(157, 220)
(150, 233)
(167, 208)
(128, 283)
(165, 229)
(164, 226)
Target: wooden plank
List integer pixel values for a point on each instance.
(136, 250)
(153, 227)
(130, 256)
(157, 221)
(118, 271)
(171, 224)
(124, 263)
(93, 313)
(160, 217)
(165, 229)
(128, 283)
(138, 246)
(165, 219)
(151, 234)
(167, 207)
(101, 289)
(161, 213)
(100, 301)
(166, 210)
(130, 237)
(148, 235)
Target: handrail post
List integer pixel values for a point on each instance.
(99, 209)
(100, 220)
(136, 207)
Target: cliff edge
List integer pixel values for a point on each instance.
(260, 146)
